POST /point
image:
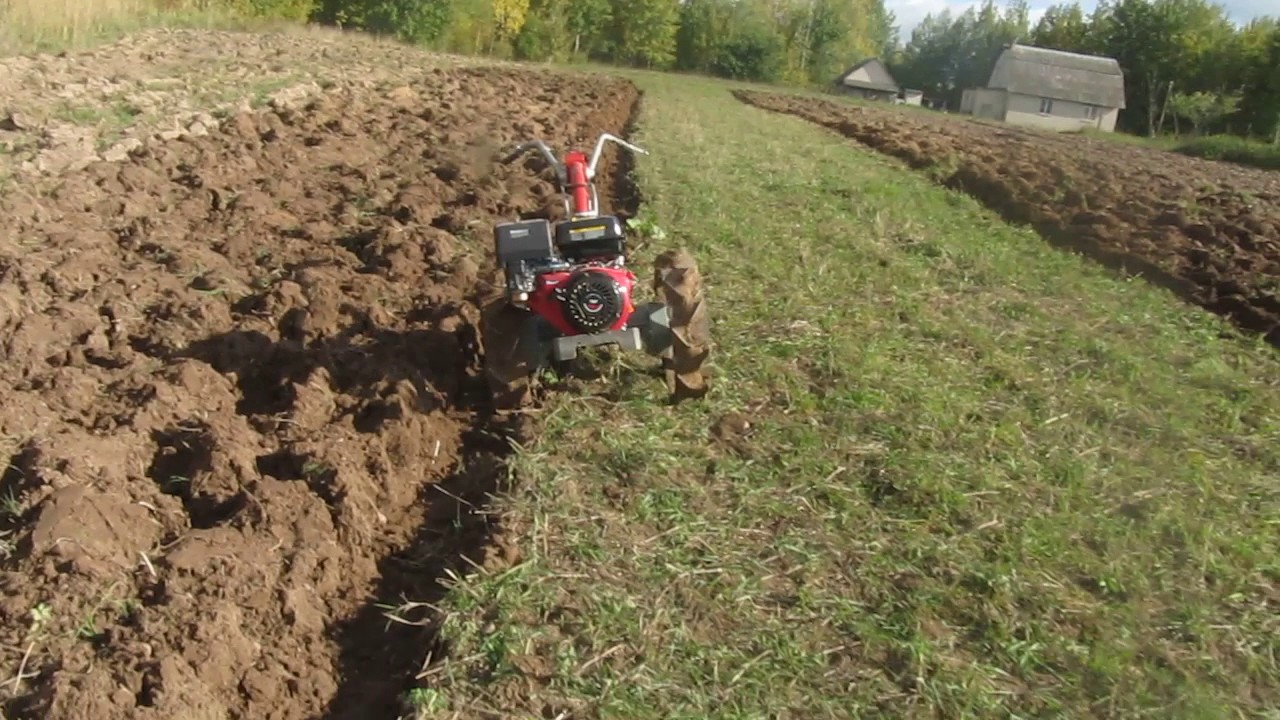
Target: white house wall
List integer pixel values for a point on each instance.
(988, 103)
(1066, 115)
(1107, 123)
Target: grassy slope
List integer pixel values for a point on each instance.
(45, 26)
(982, 474)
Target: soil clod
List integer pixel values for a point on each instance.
(246, 422)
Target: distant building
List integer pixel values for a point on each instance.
(869, 79)
(1050, 89)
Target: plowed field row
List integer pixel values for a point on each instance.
(1209, 231)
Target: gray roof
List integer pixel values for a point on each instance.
(1060, 75)
(887, 84)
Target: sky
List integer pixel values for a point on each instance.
(909, 13)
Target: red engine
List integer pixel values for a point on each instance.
(584, 300)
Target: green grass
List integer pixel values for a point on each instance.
(50, 26)
(1233, 149)
(983, 479)
(1228, 148)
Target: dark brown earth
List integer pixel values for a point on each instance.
(1209, 231)
(241, 400)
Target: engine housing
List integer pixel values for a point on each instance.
(584, 300)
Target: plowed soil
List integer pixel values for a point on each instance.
(241, 401)
(1209, 231)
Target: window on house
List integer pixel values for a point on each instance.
(1090, 112)
(1046, 106)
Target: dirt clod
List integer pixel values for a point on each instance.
(241, 400)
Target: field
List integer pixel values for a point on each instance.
(1208, 231)
(241, 381)
(945, 469)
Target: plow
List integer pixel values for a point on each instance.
(566, 286)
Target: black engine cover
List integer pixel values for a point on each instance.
(590, 238)
(592, 301)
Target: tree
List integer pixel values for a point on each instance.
(644, 32)
(1265, 88)
(1201, 108)
(589, 22)
(416, 21)
(471, 28)
(509, 16)
(1062, 27)
(1257, 64)
(947, 55)
(753, 54)
(544, 34)
(702, 24)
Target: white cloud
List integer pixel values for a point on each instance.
(1242, 11)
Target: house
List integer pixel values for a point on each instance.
(911, 97)
(868, 79)
(1050, 89)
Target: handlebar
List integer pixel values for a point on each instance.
(554, 162)
(542, 149)
(606, 137)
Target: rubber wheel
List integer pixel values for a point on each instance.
(678, 285)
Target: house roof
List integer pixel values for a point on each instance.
(870, 74)
(1060, 75)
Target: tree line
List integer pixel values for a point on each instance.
(1187, 68)
(792, 41)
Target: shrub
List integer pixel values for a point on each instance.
(274, 9)
(1233, 149)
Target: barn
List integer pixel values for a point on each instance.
(869, 79)
(1050, 89)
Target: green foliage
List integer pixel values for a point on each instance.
(701, 23)
(1200, 108)
(1262, 96)
(416, 21)
(538, 39)
(946, 55)
(1062, 27)
(645, 32)
(471, 28)
(277, 9)
(1233, 149)
(755, 55)
(588, 22)
(801, 41)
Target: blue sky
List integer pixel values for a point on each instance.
(910, 12)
